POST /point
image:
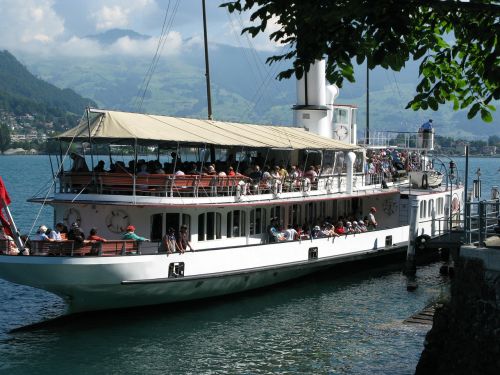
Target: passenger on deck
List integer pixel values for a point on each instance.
(76, 234)
(311, 174)
(349, 228)
(291, 234)
(372, 223)
(362, 226)
(94, 237)
(355, 227)
(54, 234)
(329, 230)
(183, 239)
(41, 234)
(231, 172)
(339, 228)
(169, 242)
(277, 180)
(11, 249)
(99, 168)
(130, 235)
(79, 163)
(63, 231)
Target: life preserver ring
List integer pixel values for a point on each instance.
(117, 221)
(422, 241)
(425, 181)
(71, 216)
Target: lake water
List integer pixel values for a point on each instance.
(334, 323)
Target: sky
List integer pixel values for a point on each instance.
(60, 26)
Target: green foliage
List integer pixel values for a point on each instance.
(457, 40)
(21, 93)
(4, 137)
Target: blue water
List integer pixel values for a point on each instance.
(331, 323)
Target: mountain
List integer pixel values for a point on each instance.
(243, 87)
(111, 36)
(21, 92)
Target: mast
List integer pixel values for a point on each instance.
(207, 66)
(367, 135)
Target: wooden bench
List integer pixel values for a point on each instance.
(75, 181)
(118, 247)
(59, 248)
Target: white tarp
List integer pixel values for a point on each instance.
(112, 126)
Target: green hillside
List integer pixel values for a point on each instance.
(243, 89)
(21, 92)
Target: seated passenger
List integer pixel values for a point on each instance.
(349, 229)
(291, 234)
(41, 234)
(329, 230)
(11, 248)
(277, 180)
(339, 228)
(231, 172)
(130, 235)
(99, 167)
(94, 237)
(356, 228)
(362, 226)
(76, 234)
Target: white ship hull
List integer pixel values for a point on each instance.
(94, 283)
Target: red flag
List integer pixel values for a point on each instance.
(4, 196)
(4, 201)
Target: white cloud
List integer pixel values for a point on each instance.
(261, 42)
(111, 17)
(121, 14)
(83, 47)
(29, 24)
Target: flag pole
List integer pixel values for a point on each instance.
(15, 233)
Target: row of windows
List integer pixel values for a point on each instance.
(426, 207)
(210, 223)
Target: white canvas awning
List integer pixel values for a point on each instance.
(114, 126)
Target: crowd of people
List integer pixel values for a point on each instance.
(326, 229)
(62, 233)
(390, 163)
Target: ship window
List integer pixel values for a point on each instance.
(423, 210)
(236, 224)
(440, 205)
(156, 227)
(209, 226)
(257, 220)
(294, 214)
(311, 213)
(277, 211)
(340, 116)
(430, 207)
(186, 220)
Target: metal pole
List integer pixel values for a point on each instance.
(482, 222)
(467, 201)
(410, 267)
(207, 66)
(15, 232)
(367, 134)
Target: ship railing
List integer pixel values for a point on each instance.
(96, 248)
(481, 219)
(191, 185)
(420, 140)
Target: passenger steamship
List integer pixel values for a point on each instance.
(228, 217)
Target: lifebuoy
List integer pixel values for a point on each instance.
(117, 221)
(425, 181)
(422, 241)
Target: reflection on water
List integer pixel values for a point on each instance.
(322, 324)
